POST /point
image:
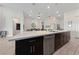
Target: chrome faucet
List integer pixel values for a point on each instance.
(42, 25)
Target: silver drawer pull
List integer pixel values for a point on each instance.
(48, 37)
(32, 40)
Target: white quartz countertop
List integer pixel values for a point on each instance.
(31, 34)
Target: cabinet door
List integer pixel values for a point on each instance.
(33, 46)
(65, 37)
(38, 47)
(57, 41)
(61, 39)
(23, 48)
(68, 36)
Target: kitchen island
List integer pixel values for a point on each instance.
(39, 42)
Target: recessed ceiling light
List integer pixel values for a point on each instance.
(48, 7)
(57, 12)
(30, 15)
(59, 15)
(31, 11)
(69, 25)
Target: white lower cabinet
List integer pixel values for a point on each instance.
(48, 45)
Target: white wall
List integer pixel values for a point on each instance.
(74, 17)
(2, 19)
(7, 16)
(6, 19)
(17, 17)
(60, 20)
(52, 21)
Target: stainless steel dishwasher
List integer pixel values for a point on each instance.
(48, 44)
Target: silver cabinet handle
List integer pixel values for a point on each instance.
(46, 37)
(32, 40)
(33, 48)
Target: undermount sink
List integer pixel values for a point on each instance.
(51, 30)
(55, 30)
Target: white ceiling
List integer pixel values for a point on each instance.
(36, 8)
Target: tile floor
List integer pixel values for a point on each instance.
(71, 48)
(7, 47)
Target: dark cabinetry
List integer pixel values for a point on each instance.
(66, 37)
(33, 46)
(58, 41)
(43, 45)
(61, 39)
